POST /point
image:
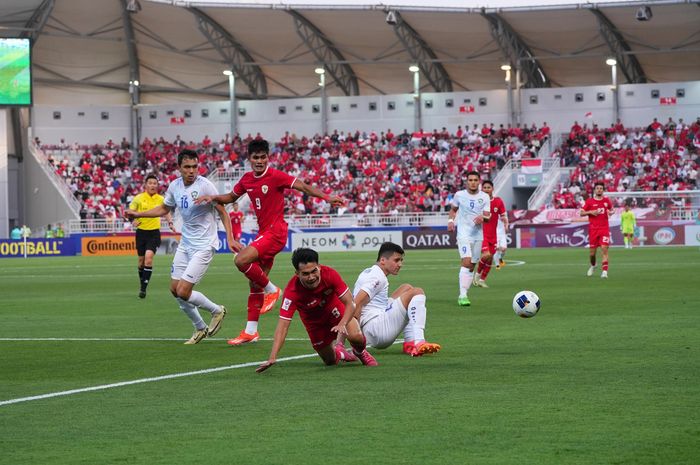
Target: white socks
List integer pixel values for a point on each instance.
(465, 280)
(415, 329)
(270, 288)
(251, 327)
(201, 301)
(192, 313)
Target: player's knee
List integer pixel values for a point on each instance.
(417, 291)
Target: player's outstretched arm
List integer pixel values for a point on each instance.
(280, 336)
(334, 200)
(349, 314)
(221, 199)
(155, 212)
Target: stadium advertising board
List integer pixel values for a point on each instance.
(429, 239)
(37, 248)
(93, 246)
(692, 235)
(663, 235)
(561, 236)
(343, 241)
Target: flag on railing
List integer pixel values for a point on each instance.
(531, 166)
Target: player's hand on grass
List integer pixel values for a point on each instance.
(264, 366)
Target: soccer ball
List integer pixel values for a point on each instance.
(526, 304)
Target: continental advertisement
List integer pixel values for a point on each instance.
(93, 246)
(37, 248)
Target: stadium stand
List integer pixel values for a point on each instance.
(378, 173)
(659, 157)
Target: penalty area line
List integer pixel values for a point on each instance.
(144, 380)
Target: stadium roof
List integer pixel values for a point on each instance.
(177, 50)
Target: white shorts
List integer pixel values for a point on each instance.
(381, 331)
(469, 249)
(501, 239)
(190, 265)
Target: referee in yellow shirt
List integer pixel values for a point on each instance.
(148, 230)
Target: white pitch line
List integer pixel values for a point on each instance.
(81, 339)
(145, 380)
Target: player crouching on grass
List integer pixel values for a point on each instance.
(326, 308)
(383, 318)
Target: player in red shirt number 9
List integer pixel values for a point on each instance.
(265, 187)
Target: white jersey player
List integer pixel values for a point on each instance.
(470, 208)
(198, 244)
(383, 318)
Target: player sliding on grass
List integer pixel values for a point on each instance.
(265, 186)
(197, 245)
(382, 318)
(326, 308)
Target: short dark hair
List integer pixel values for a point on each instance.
(474, 173)
(599, 183)
(189, 154)
(388, 249)
(258, 145)
(487, 181)
(304, 255)
(150, 176)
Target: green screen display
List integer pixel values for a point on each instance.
(15, 72)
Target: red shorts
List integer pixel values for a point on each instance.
(319, 329)
(269, 243)
(488, 246)
(598, 238)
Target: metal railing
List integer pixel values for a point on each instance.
(355, 220)
(55, 179)
(502, 177)
(544, 191)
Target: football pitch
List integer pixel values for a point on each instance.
(607, 373)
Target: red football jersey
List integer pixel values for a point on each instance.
(497, 209)
(314, 305)
(266, 194)
(603, 206)
(236, 219)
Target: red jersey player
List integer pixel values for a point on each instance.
(490, 243)
(265, 187)
(236, 221)
(598, 208)
(326, 307)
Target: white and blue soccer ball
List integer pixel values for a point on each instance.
(526, 304)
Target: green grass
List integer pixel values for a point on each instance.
(607, 373)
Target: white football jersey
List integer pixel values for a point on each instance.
(469, 207)
(199, 227)
(374, 282)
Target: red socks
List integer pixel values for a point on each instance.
(255, 303)
(485, 268)
(255, 274)
(605, 266)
